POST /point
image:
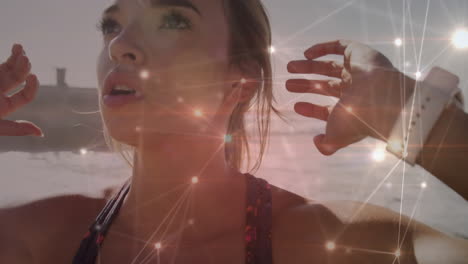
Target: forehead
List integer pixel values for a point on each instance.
(210, 7)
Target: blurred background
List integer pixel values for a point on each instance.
(62, 42)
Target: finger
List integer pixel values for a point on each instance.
(17, 75)
(18, 128)
(326, 147)
(16, 50)
(312, 110)
(323, 87)
(20, 98)
(336, 47)
(327, 68)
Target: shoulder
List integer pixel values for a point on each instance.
(40, 224)
(342, 231)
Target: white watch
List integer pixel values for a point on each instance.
(421, 112)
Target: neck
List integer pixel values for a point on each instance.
(163, 195)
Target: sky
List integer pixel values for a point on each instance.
(62, 33)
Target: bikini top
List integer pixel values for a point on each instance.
(257, 232)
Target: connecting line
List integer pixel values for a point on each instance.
(184, 219)
(365, 123)
(401, 203)
(177, 236)
(175, 207)
(183, 197)
(186, 196)
(156, 198)
(404, 128)
(334, 12)
(181, 115)
(413, 39)
(368, 250)
(371, 195)
(424, 32)
(412, 216)
(392, 17)
(436, 57)
(210, 159)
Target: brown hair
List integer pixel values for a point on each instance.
(250, 39)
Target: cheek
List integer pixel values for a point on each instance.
(101, 66)
(197, 75)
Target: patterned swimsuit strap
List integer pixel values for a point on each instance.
(258, 221)
(89, 246)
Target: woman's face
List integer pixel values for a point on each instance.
(175, 52)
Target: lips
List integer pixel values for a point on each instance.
(115, 78)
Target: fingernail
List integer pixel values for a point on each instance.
(39, 135)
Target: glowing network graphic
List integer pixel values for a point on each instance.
(459, 40)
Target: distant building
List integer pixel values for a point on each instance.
(69, 117)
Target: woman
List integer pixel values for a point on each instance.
(175, 80)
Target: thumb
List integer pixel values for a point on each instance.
(325, 145)
(18, 128)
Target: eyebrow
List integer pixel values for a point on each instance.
(159, 3)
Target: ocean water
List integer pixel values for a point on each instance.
(291, 162)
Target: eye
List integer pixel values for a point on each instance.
(108, 26)
(175, 20)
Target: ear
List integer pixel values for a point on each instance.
(246, 81)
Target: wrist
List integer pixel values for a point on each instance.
(420, 114)
(403, 87)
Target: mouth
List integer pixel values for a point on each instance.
(120, 89)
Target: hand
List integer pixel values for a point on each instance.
(12, 73)
(367, 86)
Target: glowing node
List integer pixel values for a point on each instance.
(138, 128)
(460, 39)
(144, 74)
(407, 64)
(191, 221)
(397, 253)
(378, 154)
(228, 138)
(195, 180)
(330, 245)
(388, 185)
(418, 75)
(349, 109)
(83, 151)
(158, 245)
(243, 81)
(198, 113)
(398, 42)
(405, 154)
(318, 86)
(423, 185)
(272, 49)
(180, 99)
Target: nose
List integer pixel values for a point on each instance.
(124, 49)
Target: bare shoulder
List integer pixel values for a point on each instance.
(355, 232)
(321, 233)
(53, 223)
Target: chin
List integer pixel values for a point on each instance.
(125, 136)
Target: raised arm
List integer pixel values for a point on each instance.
(371, 92)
